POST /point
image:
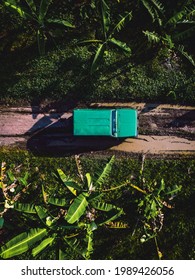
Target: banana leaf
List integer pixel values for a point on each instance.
(62, 255)
(177, 17)
(42, 213)
(187, 33)
(13, 5)
(102, 206)
(90, 41)
(121, 45)
(23, 180)
(159, 6)
(25, 207)
(112, 215)
(122, 23)
(45, 195)
(94, 196)
(75, 245)
(174, 190)
(57, 201)
(22, 242)
(105, 12)
(89, 180)
(151, 10)
(98, 56)
(92, 226)
(46, 242)
(77, 209)
(162, 187)
(31, 5)
(106, 172)
(71, 185)
(60, 22)
(180, 48)
(44, 5)
(89, 250)
(11, 176)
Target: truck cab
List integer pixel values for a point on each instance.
(118, 123)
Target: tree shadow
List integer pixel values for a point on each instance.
(149, 107)
(186, 119)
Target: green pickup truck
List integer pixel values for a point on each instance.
(116, 123)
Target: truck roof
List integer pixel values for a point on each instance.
(127, 122)
(105, 122)
(92, 122)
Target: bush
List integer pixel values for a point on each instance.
(64, 74)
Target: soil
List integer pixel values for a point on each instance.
(47, 129)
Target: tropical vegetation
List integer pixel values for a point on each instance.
(125, 50)
(83, 51)
(69, 207)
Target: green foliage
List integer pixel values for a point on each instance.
(12, 187)
(186, 55)
(108, 35)
(37, 16)
(63, 224)
(129, 47)
(171, 34)
(155, 8)
(175, 239)
(21, 243)
(147, 82)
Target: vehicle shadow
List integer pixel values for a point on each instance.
(52, 135)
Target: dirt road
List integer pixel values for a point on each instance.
(163, 129)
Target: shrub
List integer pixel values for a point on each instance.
(64, 74)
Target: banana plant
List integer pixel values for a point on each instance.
(150, 207)
(172, 31)
(11, 189)
(62, 222)
(108, 35)
(156, 10)
(39, 21)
